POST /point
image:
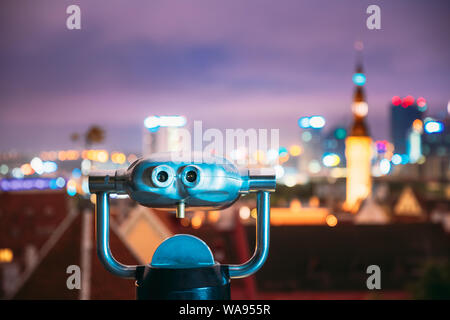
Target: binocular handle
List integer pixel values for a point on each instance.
(262, 239)
(236, 271)
(102, 237)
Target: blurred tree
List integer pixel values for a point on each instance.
(434, 282)
(94, 134)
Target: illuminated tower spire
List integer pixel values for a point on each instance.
(360, 107)
(358, 150)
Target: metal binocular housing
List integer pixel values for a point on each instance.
(179, 186)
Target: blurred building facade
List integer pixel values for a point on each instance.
(162, 134)
(403, 113)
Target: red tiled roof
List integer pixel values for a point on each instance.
(48, 280)
(29, 218)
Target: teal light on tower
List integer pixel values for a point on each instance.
(359, 79)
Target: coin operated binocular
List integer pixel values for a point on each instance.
(183, 266)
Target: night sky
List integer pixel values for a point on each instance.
(232, 64)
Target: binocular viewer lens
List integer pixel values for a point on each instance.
(191, 176)
(162, 176)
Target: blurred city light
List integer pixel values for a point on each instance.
(407, 101)
(421, 102)
(331, 220)
(71, 187)
(282, 151)
(290, 181)
(254, 213)
(154, 122)
(385, 166)
(295, 150)
(118, 157)
(259, 156)
(314, 167)
(283, 159)
(60, 182)
(381, 146)
(303, 122)
(396, 159)
(50, 166)
(396, 100)
(244, 213)
(85, 166)
(69, 155)
(151, 122)
(272, 155)
(405, 158)
(102, 156)
(331, 160)
(279, 171)
(76, 173)
(340, 133)
(85, 186)
(17, 173)
(433, 127)
(360, 108)
(317, 122)
(27, 169)
(197, 220)
(214, 216)
(4, 169)
(131, 158)
(95, 155)
(6, 255)
(29, 184)
(37, 165)
(417, 126)
(306, 136)
(119, 196)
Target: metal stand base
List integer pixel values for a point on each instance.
(204, 283)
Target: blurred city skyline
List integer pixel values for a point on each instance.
(258, 64)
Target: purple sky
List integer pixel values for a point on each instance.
(232, 64)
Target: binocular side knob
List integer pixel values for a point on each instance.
(107, 181)
(254, 180)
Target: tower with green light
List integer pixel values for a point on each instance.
(358, 148)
